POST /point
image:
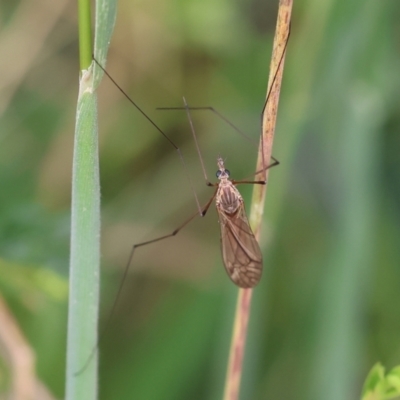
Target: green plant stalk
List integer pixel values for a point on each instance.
(236, 354)
(85, 34)
(81, 370)
(85, 251)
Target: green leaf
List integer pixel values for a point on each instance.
(377, 386)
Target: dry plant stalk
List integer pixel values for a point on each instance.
(19, 357)
(236, 354)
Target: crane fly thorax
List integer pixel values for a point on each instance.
(228, 199)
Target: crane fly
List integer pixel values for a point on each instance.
(240, 250)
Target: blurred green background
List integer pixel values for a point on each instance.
(328, 305)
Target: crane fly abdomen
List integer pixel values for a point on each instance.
(240, 250)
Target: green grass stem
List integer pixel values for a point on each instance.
(81, 380)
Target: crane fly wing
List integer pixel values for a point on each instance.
(240, 251)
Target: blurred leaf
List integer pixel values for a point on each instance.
(26, 283)
(377, 386)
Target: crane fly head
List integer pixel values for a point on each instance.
(222, 173)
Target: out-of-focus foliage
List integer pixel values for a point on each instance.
(327, 307)
(379, 386)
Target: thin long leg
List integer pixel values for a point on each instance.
(266, 102)
(201, 211)
(251, 182)
(212, 109)
(195, 140)
(126, 269)
(178, 150)
(135, 246)
(274, 164)
(175, 231)
(276, 73)
(226, 120)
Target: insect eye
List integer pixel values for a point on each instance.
(227, 172)
(218, 173)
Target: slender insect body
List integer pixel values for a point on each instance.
(228, 198)
(240, 250)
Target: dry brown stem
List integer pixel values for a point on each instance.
(236, 355)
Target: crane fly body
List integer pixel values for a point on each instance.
(240, 251)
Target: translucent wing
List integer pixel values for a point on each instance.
(240, 250)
